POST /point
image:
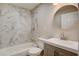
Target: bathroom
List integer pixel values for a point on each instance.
(39, 29)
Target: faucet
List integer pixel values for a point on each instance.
(62, 37)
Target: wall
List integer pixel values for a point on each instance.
(42, 20)
(43, 17)
(15, 25)
(70, 33)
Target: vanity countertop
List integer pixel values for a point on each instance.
(68, 45)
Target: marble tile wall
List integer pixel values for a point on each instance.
(43, 24)
(15, 26)
(42, 21)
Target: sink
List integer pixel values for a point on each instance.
(68, 43)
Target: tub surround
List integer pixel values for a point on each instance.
(15, 25)
(68, 45)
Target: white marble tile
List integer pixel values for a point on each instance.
(15, 26)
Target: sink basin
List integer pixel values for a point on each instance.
(67, 43)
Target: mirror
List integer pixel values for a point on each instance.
(66, 17)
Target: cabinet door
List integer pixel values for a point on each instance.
(62, 52)
(48, 50)
(54, 51)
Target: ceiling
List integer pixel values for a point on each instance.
(28, 6)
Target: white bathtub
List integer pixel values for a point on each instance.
(18, 50)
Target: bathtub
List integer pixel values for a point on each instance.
(18, 50)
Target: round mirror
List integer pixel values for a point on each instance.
(66, 17)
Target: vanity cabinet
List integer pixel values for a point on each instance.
(50, 50)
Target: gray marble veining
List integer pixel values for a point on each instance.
(15, 26)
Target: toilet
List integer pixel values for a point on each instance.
(34, 51)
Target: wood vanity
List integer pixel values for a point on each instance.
(56, 47)
(50, 50)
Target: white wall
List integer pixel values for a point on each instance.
(70, 33)
(15, 25)
(43, 17)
